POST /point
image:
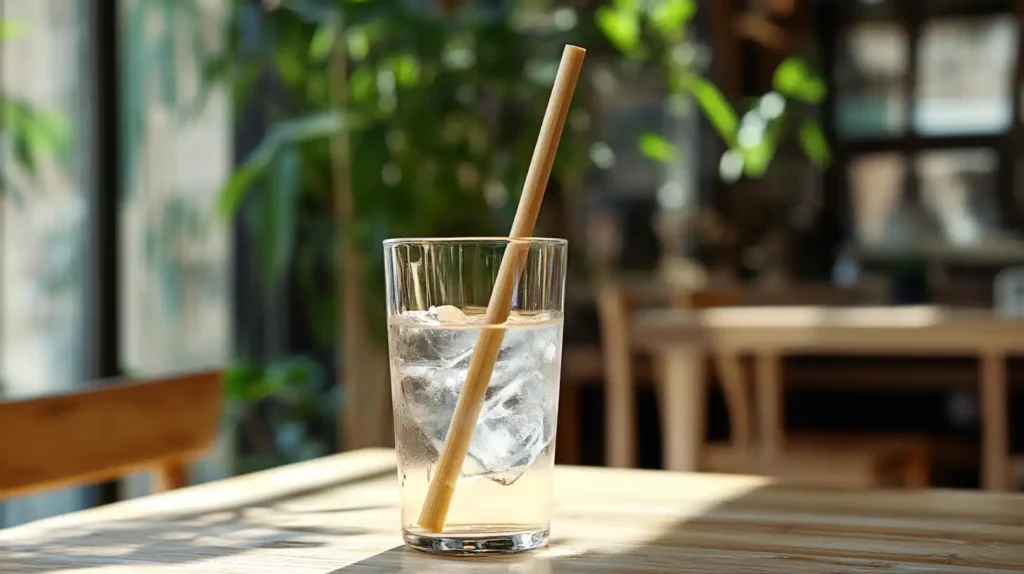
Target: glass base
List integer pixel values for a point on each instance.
(473, 542)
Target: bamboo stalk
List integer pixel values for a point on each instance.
(353, 432)
(481, 366)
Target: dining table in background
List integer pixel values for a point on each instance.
(340, 514)
(681, 338)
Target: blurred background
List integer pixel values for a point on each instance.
(192, 184)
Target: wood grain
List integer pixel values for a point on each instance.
(875, 330)
(96, 435)
(340, 514)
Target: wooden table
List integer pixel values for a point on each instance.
(681, 337)
(339, 514)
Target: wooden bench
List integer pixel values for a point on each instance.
(98, 435)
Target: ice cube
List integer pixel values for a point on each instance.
(447, 314)
(515, 424)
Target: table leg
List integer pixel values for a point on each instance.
(995, 444)
(737, 399)
(770, 405)
(683, 408)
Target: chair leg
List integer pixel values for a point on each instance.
(918, 471)
(171, 476)
(568, 441)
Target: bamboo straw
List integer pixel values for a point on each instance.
(481, 366)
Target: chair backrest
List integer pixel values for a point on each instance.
(800, 294)
(96, 435)
(616, 304)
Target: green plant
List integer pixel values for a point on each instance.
(386, 119)
(788, 113)
(657, 32)
(280, 409)
(432, 108)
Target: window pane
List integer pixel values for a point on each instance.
(175, 253)
(870, 99)
(965, 74)
(876, 187)
(958, 187)
(41, 282)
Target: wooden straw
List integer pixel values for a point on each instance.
(481, 365)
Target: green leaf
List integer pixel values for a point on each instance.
(794, 78)
(656, 148)
(304, 129)
(308, 128)
(238, 378)
(11, 29)
(361, 84)
(407, 70)
(358, 44)
(322, 42)
(621, 27)
(283, 202)
(33, 134)
(814, 143)
(249, 173)
(812, 91)
(289, 66)
(716, 108)
(757, 159)
(789, 75)
(671, 16)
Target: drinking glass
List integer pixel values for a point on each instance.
(437, 296)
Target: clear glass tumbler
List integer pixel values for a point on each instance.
(437, 292)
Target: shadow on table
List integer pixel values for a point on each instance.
(760, 528)
(181, 537)
(775, 528)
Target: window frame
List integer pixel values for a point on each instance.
(835, 18)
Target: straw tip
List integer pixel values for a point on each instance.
(574, 49)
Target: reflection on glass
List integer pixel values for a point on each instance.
(175, 254)
(965, 72)
(871, 63)
(42, 211)
(876, 187)
(958, 188)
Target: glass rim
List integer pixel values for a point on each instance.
(543, 241)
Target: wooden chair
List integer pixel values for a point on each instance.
(97, 435)
(818, 459)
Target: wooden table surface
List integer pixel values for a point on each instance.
(339, 514)
(681, 337)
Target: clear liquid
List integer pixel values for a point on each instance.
(505, 486)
